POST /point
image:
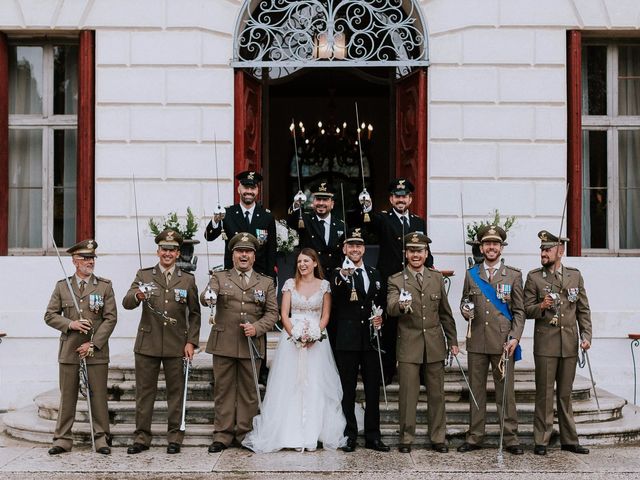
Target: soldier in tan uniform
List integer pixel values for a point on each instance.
(246, 307)
(423, 322)
(555, 297)
(84, 335)
(169, 331)
(491, 333)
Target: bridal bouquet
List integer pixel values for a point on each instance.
(304, 333)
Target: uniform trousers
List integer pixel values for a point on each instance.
(69, 384)
(147, 371)
(409, 380)
(349, 364)
(560, 371)
(478, 370)
(235, 398)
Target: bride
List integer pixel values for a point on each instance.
(302, 405)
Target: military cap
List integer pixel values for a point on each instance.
(169, 239)
(249, 178)
(400, 186)
(416, 240)
(354, 236)
(548, 240)
(491, 233)
(243, 240)
(323, 190)
(85, 248)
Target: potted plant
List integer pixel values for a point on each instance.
(472, 232)
(187, 260)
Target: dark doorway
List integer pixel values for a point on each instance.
(310, 96)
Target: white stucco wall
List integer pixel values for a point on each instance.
(497, 130)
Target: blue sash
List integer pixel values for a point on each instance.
(488, 291)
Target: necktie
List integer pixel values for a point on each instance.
(359, 281)
(405, 222)
(82, 284)
(243, 280)
(167, 276)
(323, 230)
(419, 279)
(491, 272)
(247, 219)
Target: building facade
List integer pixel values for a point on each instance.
(517, 100)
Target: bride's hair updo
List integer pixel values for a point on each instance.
(317, 271)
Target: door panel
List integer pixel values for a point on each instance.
(247, 125)
(411, 135)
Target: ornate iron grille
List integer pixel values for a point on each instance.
(289, 34)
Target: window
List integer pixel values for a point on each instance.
(610, 75)
(46, 159)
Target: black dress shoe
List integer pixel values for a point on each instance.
(216, 447)
(540, 450)
(137, 448)
(173, 447)
(377, 445)
(104, 451)
(514, 449)
(404, 448)
(468, 447)
(575, 449)
(56, 450)
(439, 447)
(350, 446)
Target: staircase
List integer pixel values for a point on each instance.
(616, 422)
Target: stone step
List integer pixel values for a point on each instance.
(454, 391)
(27, 425)
(201, 412)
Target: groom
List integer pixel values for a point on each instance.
(351, 334)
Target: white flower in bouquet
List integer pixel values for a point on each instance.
(286, 238)
(304, 333)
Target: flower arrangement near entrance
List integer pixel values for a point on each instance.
(172, 221)
(286, 237)
(472, 228)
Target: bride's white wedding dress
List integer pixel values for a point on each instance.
(302, 402)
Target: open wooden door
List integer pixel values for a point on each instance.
(411, 135)
(247, 125)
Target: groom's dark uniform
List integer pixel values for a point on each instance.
(352, 342)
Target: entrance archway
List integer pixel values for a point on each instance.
(312, 60)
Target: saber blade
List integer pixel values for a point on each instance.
(183, 422)
(473, 397)
(251, 346)
(593, 383)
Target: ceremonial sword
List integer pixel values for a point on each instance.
(83, 372)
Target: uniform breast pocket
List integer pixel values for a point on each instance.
(474, 293)
(435, 301)
(68, 308)
(223, 299)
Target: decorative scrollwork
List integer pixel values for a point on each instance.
(307, 33)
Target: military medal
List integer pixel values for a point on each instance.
(262, 235)
(96, 302)
(180, 295)
(259, 297)
(572, 294)
(503, 292)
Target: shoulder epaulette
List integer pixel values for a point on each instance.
(396, 275)
(102, 279)
(571, 268)
(146, 269)
(432, 269)
(513, 268)
(188, 273)
(535, 270)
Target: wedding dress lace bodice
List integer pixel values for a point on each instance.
(303, 307)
